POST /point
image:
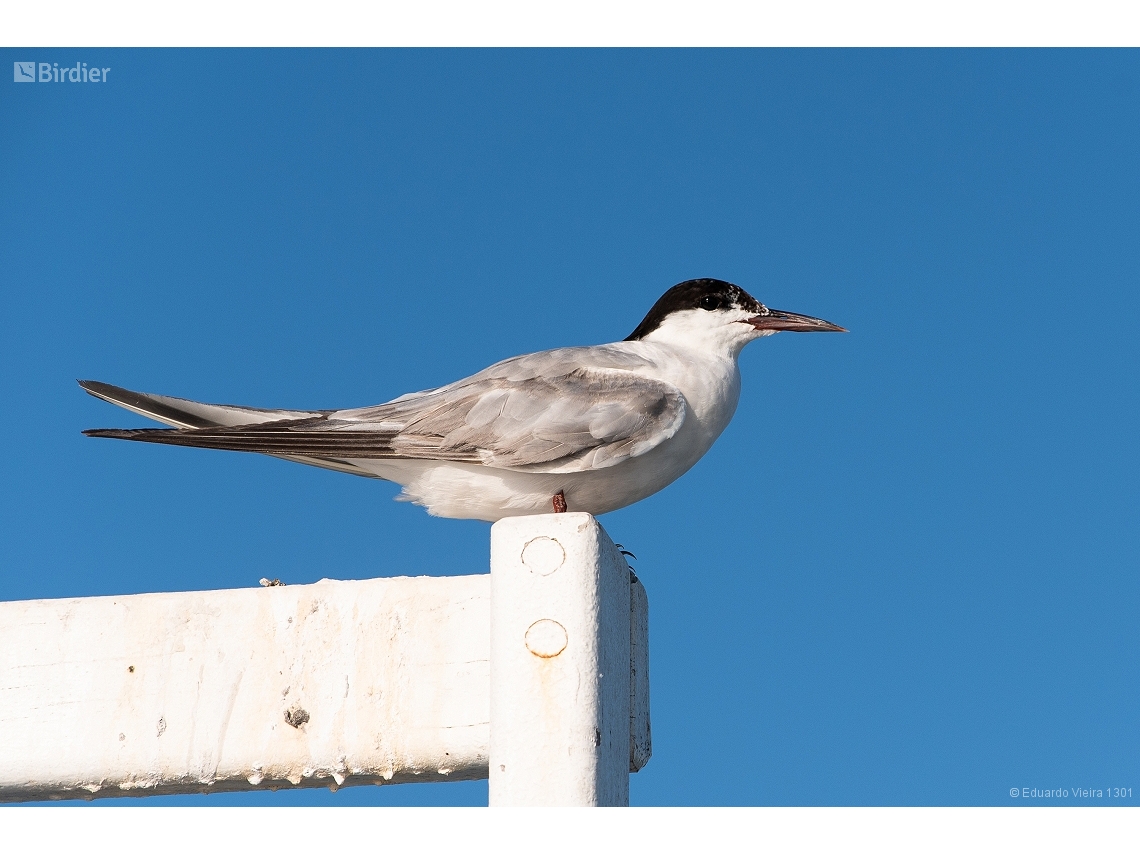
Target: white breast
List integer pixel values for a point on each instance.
(710, 384)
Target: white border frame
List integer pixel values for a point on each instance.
(572, 23)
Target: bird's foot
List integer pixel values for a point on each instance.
(625, 553)
(559, 502)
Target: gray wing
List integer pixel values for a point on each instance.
(183, 413)
(566, 410)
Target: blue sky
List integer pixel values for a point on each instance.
(907, 572)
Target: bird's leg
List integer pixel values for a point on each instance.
(559, 501)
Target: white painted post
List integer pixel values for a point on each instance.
(560, 664)
(339, 683)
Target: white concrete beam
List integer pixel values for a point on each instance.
(332, 684)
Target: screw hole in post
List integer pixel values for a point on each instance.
(546, 638)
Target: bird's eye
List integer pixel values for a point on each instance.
(710, 302)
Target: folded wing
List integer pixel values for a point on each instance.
(567, 410)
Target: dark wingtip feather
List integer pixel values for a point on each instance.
(157, 407)
(114, 433)
(107, 392)
(95, 387)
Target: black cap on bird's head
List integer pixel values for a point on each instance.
(713, 295)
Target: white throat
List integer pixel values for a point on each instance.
(719, 333)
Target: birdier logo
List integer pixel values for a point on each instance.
(51, 72)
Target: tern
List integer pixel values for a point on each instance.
(576, 428)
